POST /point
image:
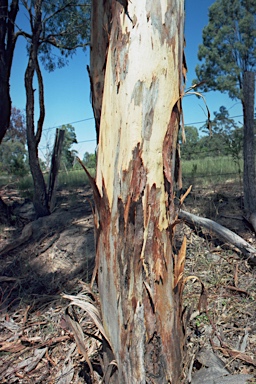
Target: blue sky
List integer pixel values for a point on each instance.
(67, 90)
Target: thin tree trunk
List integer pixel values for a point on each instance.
(55, 165)
(7, 44)
(5, 105)
(40, 199)
(249, 152)
(139, 294)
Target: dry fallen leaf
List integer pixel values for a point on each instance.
(28, 364)
(66, 373)
(12, 346)
(77, 331)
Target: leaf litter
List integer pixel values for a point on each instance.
(223, 333)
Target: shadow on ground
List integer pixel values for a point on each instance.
(59, 252)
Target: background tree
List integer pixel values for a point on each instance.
(230, 135)
(63, 25)
(17, 127)
(8, 39)
(68, 154)
(13, 153)
(140, 293)
(226, 138)
(188, 148)
(89, 160)
(228, 56)
(55, 27)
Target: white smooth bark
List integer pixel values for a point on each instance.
(139, 125)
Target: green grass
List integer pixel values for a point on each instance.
(75, 178)
(25, 183)
(25, 187)
(210, 166)
(210, 169)
(204, 171)
(68, 179)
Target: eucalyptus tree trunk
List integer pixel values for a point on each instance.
(101, 27)
(249, 142)
(141, 107)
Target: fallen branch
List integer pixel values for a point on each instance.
(224, 234)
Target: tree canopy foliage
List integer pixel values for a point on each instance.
(13, 153)
(65, 26)
(61, 26)
(226, 139)
(229, 46)
(68, 154)
(89, 160)
(228, 56)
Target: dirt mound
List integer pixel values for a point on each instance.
(50, 252)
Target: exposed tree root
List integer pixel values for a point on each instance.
(25, 236)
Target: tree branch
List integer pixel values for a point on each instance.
(68, 5)
(24, 34)
(41, 102)
(224, 234)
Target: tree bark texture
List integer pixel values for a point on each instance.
(7, 45)
(249, 152)
(139, 292)
(40, 199)
(55, 165)
(101, 26)
(5, 104)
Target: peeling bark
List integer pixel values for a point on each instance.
(101, 26)
(141, 306)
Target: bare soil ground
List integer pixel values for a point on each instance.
(44, 340)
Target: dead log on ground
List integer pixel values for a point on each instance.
(224, 234)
